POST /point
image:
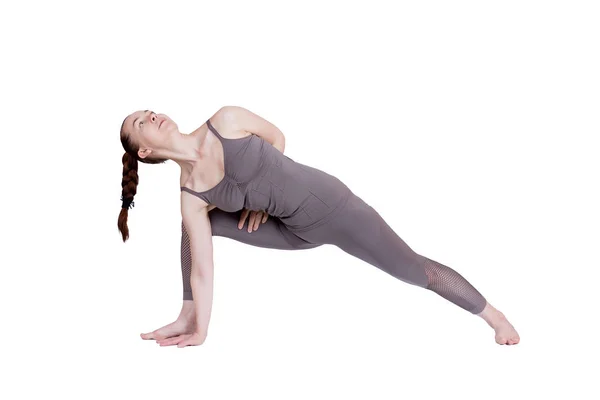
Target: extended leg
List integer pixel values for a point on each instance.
(360, 231)
(271, 234)
(452, 286)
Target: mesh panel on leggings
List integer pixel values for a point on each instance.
(452, 286)
(186, 263)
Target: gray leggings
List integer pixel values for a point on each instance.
(358, 230)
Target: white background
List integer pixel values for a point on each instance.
(469, 125)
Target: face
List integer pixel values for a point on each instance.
(150, 130)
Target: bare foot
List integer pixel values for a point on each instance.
(505, 332)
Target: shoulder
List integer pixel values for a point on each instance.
(190, 201)
(243, 122)
(229, 121)
(230, 112)
(183, 177)
(228, 115)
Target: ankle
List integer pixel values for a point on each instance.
(491, 315)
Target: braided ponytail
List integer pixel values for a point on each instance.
(129, 188)
(130, 178)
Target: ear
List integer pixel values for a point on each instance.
(143, 153)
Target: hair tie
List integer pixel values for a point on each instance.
(128, 202)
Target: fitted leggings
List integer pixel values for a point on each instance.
(358, 230)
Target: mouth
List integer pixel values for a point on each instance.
(161, 122)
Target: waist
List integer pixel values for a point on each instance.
(323, 220)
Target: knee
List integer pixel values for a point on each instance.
(420, 274)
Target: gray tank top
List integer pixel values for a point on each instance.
(260, 177)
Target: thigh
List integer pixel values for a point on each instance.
(359, 230)
(272, 234)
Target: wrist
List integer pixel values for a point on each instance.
(200, 334)
(187, 309)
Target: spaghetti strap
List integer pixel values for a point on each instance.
(197, 194)
(212, 128)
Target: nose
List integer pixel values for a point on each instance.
(160, 118)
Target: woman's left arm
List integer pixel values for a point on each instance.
(246, 120)
(279, 145)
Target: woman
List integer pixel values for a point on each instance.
(233, 169)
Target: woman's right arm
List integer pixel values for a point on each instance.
(186, 252)
(186, 261)
(197, 223)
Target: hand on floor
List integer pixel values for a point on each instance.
(184, 324)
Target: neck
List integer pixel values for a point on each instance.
(189, 149)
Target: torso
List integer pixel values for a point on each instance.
(208, 174)
(240, 170)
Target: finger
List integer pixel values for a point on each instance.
(251, 221)
(147, 336)
(243, 218)
(156, 335)
(176, 340)
(257, 220)
(167, 340)
(169, 330)
(171, 341)
(265, 216)
(252, 224)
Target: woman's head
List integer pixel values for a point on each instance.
(146, 138)
(149, 133)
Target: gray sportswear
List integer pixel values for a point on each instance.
(308, 208)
